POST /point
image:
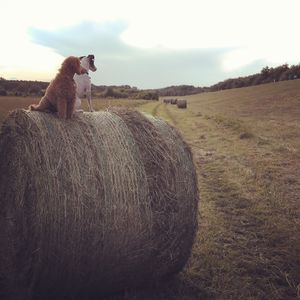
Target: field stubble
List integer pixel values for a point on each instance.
(246, 146)
(10, 103)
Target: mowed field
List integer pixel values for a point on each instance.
(246, 147)
(8, 104)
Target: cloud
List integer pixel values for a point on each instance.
(103, 37)
(120, 63)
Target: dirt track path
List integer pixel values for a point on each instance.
(239, 252)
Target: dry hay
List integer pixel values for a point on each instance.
(167, 101)
(181, 103)
(89, 206)
(173, 101)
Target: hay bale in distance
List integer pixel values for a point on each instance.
(181, 103)
(93, 205)
(173, 101)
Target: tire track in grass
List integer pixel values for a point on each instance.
(159, 110)
(170, 115)
(234, 256)
(164, 112)
(155, 109)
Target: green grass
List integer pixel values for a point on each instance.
(246, 147)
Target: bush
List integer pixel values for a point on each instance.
(113, 93)
(147, 96)
(3, 92)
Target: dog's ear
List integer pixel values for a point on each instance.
(81, 57)
(71, 65)
(77, 65)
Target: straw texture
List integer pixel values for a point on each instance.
(93, 205)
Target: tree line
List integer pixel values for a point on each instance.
(26, 88)
(22, 87)
(267, 74)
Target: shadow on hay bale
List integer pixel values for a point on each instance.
(181, 103)
(94, 205)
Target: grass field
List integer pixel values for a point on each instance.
(246, 146)
(10, 103)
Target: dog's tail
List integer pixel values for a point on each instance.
(33, 107)
(44, 105)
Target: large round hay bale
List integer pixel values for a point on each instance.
(181, 103)
(93, 205)
(173, 101)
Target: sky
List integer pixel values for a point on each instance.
(149, 44)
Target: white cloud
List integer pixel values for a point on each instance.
(256, 30)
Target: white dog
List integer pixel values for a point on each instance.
(83, 82)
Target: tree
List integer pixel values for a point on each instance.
(3, 92)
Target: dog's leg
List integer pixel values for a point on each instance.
(89, 99)
(77, 103)
(70, 108)
(78, 111)
(62, 109)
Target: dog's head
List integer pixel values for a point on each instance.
(88, 62)
(71, 65)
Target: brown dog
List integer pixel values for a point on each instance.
(61, 93)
